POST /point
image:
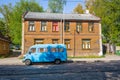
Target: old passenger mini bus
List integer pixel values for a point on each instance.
(46, 53)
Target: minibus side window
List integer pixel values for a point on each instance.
(33, 50)
(54, 50)
(61, 49)
(43, 49)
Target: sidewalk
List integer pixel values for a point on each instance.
(107, 58)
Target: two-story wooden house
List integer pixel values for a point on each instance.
(4, 45)
(80, 32)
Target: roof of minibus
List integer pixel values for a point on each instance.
(47, 45)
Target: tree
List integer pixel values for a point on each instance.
(13, 17)
(78, 9)
(108, 11)
(16, 19)
(56, 6)
(6, 11)
(2, 27)
(89, 5)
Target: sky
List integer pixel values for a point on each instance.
(68, 8)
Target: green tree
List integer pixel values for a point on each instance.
(6, 11)
(13, 17)
(108, 11)
(56, 6)
(2, 27)
(78, 9)
(16, 18)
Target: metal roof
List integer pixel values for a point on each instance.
(59, 16)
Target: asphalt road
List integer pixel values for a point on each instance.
(64, 71)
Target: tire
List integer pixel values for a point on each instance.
(57, 61)
(28, 62)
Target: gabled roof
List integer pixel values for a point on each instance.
(59, 16)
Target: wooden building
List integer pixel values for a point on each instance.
(4, 45)
(80, 32)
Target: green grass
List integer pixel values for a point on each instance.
(87, 57)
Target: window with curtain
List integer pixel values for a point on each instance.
(55, 26)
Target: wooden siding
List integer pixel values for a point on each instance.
(4, 47)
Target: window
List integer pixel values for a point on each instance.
(54, 50)
(67, 43)
(61, 50)
(86, 44)
(43, 49)
(39, 41)
(55, 26)
(91, 27)
(33, 50)
(67, 27)
(78, 26)
(31, 26)
(55, 41)
(43, 26)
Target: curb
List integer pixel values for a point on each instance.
(90, 61)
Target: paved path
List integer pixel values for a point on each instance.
(11, 61)
(17, 61)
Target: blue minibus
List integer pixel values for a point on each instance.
(56, 53)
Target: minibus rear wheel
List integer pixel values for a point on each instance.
(28, 62)
(57, 61)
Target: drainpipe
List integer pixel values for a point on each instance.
(100, 34)
(74, 44)
(23, 36)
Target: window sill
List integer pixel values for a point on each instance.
(55, 31)
(91, 32)
(67, 31)
(31, 31)
(43, 31)
(69, 49)
(86, 49)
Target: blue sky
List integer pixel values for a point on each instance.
(68, 8)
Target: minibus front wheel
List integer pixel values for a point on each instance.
(28, 62)
(57, 61)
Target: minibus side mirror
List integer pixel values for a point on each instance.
(30, 52)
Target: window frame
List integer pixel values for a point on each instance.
(31, 26)
(55, 40)
(43, 27)
(54, 27)
(91, 26)
(32, 51)
(68, 45)
(40, 41)
(44, 50)
(86, 44)
(80, 26)
(68, 26)
(56, 50)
